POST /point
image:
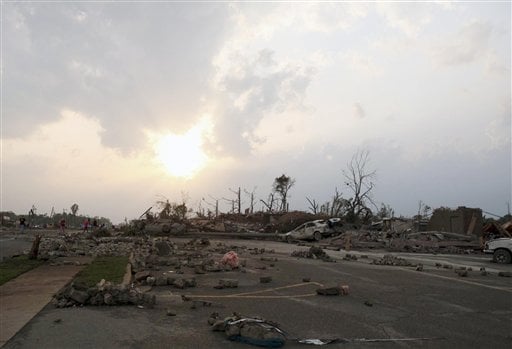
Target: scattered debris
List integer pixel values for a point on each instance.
(368, 303)
(315, 341)
(227, 283)
(461, 272)
(314, 252)
(265, 279)
(337, 290)
(389, 259)
(350, 257)
(250, 330)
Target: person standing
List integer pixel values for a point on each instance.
(62, 225)
(23, 224)
(86, 225)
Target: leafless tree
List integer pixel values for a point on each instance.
(238, 194)
(338, 204)
(252, 198)
(313, 205)
(325, 208)
(215, 205)
(236, 203)
(270, 203)
(359, 180)
(74, 210)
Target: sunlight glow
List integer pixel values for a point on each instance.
(182, 155)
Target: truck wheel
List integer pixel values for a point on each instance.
(317, 236)
(289, 239)
(502, 256)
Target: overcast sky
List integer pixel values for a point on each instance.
(113, 105)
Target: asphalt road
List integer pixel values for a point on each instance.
(451, 311)
(10, 246)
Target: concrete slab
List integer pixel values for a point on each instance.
(22, 298)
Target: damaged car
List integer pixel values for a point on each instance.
(314, 230)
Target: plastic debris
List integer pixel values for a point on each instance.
(231, 259)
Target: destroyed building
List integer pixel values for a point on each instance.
(463, 220)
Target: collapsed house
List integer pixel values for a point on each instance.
(494, 230)
(462, 220)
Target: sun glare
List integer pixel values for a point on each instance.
(182, 155)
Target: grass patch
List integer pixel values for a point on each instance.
(108, 268)
(14, 267)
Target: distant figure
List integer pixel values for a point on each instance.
(94, 224)
(86, 225)
(62, 225)
(23, 224)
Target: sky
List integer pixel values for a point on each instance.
(117, 105)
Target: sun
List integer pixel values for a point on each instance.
(182, 155)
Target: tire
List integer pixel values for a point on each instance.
(317, 236)
(502, 256)
(289, 239)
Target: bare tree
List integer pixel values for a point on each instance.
(338, 204)
(74, 211)
(281, 186)
(238, 194)
(236, 203)
(313, 205)
(270, 203)
(359, 180)
(252, 198)
(215, 206)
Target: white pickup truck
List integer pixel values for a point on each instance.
(501, 249)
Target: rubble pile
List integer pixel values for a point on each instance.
(104, 293)
(360, 239)
(225, 225)
(77, 245)
(314, 252)
(434, 242)
(425, 242)
(389, 259)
